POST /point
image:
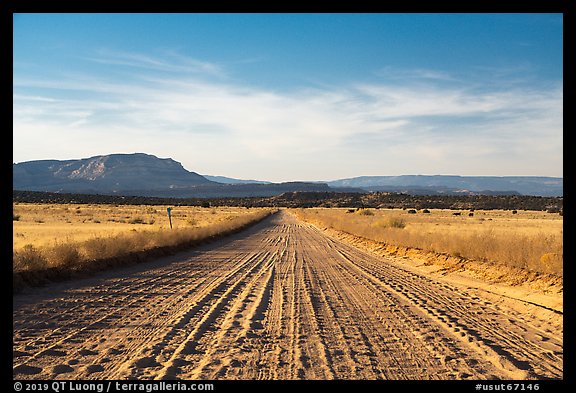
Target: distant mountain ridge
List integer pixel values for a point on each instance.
(147, 175)
(451, 184)
(230, 180)
(138, 174)
(106, 174)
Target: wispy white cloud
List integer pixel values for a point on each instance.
(168, 61)
(416, 74)
(216, 126)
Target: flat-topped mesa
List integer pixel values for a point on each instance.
(105, 173)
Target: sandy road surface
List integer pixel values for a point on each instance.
(278, 301)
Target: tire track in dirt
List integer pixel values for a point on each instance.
(280, 300)
(520, 350)
(98, 309)
(391, 348)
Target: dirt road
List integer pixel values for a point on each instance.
(278, 301)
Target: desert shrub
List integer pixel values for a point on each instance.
(98, 247)
(391, 222)
(65, 254)
(552, 262)
(15, 217)
(396, 222)
(365, 212)
(411, 211)
(28, 258)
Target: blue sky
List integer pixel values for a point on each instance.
(285, 97)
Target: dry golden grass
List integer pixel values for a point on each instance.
(526, 239)
(42, 225)
(71, 237)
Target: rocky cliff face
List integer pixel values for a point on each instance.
(104, 174)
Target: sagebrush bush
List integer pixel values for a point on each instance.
(29, 258)
(396, 222)
(388, 222)
(64, 255)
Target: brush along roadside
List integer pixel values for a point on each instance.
(542, 286)
(527, 240)
(34, 266)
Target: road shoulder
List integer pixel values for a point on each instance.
(540, 296)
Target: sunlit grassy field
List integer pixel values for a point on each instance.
(73, 237)
(46, 224)
(528, 239)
